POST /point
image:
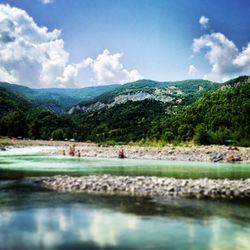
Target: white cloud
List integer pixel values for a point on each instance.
(29, 53)
(224, 57)
(243, 59)
(204, 22)
(192, 70)
(6, 76)
(108, 68)
(34, 56)
(105, 69)
(47, 1)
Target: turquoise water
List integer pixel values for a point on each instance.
(14, 165)
(37, 219)
(34, 218)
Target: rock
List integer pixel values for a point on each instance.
(2, 148)
(236, 193)
(247, 193)
(148, 186)
(215, 157)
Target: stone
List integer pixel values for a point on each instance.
(147, 186)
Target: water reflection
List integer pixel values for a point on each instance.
(37, 219)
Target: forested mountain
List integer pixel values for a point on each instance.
(125, 122)
(20, 116)
(188, 111)
(236, 81)
(11, 101)
(214, 118)
(179, 93)
(217, 116)
(57, 99)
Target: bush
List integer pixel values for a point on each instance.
(14, 124)
(58, 134)
(168, 136)
(200, 135)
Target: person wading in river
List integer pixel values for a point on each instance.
(121, 154)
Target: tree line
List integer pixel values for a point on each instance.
(215, 118)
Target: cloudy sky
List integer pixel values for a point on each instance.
(62, 43)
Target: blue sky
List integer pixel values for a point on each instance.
(95, 42)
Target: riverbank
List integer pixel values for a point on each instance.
(142, 186)
(175, 153)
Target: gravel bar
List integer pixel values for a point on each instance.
(147, 186)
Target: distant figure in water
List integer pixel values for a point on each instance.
(72, 150)
(64, 153)
(121, 154)
(78, 153)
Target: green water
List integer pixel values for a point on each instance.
(20, 165)
(37, 219)
(34, 218)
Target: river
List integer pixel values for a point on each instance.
(34, 218)
(23, 162)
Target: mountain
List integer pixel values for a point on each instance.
(22, 117)
(237, 81)
(144, 111)
(11, 101)
(170, 93)
(214, 118)
(122, 123)
(58, 99)
(127, 112)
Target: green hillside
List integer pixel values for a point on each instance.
(214, 118)
(217, 116)
(122, 123)
(57, 99)
(238, 80)
(20, 116)
(208, 113)
(176, 93)
(11, 101)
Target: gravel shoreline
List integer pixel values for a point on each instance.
(144, 186)
(187, 153)
(147, 186)
(173, 153)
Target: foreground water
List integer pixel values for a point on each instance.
(37, 219)
(34, 218)
(30, 162)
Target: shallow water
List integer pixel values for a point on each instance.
(34, 218)
(37, 219)
(19, 163)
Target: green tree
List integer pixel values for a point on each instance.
(58, 134)
(201, 135)
(14, 124)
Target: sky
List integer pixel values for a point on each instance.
(78, 43)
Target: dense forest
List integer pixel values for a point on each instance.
(216, 116)
(56, 99)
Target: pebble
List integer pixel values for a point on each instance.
(147, 186)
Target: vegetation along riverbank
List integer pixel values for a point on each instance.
(143, 112)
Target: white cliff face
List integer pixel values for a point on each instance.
(162, 95)
(171, 90)
(73, 109)
(92, 107)
(140, 96)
